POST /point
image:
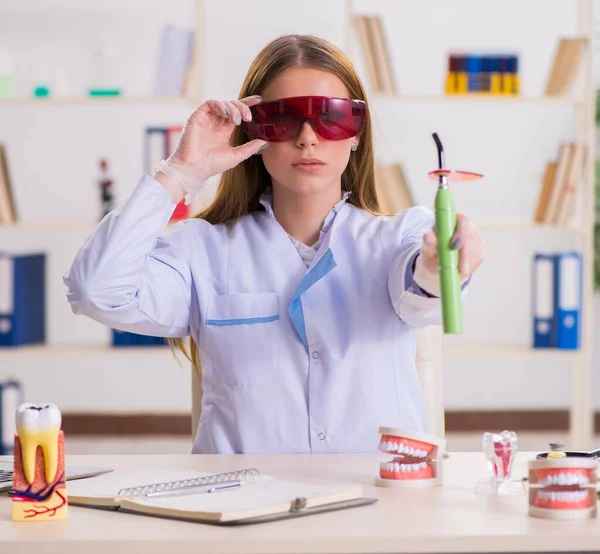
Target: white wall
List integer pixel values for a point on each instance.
(54, 150)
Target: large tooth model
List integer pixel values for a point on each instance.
(39, 491)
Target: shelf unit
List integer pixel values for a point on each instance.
(581, 411)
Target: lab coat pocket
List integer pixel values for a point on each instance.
(241, 334)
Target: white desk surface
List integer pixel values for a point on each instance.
(451, 518)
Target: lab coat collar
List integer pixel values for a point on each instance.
(334, 217)
(266, 199)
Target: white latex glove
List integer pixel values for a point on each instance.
(203, 149)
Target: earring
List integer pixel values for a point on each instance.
(354, 147)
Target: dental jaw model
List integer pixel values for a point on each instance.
(500, 450)
(563, 488)
(39, 492)
(416, 461)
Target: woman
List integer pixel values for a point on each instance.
(300, 299)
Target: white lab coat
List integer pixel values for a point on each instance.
(294, 359)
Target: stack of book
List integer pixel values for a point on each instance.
(567, 60)
(487, 74)
(376, 55)
(562, 180)
(8, 213)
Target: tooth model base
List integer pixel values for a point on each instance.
(410, 450)
(41, 499)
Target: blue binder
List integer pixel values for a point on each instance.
(544, 318)
(125, 339)
(22, 299)
(11, 397)
(568, 299)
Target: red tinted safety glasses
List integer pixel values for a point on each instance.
(282, 120)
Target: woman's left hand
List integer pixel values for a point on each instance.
(466, 240)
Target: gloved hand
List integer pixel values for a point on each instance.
(203, 149)
(466, 240)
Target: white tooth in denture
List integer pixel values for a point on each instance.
(402, 467)
(39, 426)
(423, 465)
(562, 479)
(566, 496)
(396, 466)
(400, 448)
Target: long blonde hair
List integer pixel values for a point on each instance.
(240, 188)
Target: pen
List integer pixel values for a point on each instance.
(212, 487)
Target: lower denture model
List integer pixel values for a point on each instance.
(563, 488)
(416, 461)
(39, 492)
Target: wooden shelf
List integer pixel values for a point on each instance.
(85, 350)
(516, 225)
(100, 101)
(57, 226)
(499, 224)
(504, 350)
(480, 99)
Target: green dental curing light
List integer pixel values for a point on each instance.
(445, 227)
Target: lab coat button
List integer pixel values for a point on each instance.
(315, 354)
(321, 436)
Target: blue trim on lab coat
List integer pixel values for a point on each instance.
(242, 321)
(322, 268)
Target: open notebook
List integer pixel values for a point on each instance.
(258, 498)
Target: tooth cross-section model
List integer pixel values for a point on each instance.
(416, 459)
(39, 492)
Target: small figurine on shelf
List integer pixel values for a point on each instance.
(106, 188)
(39, 492)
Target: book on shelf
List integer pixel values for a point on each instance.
(250, 497)
(124, 339)
(8, 212)
(173, 75)
(371, 36)
(392, 188)
(565, 66)
(562, 182)
(22, 299)
(11, 397)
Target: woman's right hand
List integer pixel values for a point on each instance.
(203, 149)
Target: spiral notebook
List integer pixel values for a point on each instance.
(255, 498)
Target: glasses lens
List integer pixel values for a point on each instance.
(282, 120)
(341, 119)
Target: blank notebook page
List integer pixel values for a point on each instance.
(255, 496)
(110, 484)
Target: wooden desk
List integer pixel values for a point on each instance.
(447, 519)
